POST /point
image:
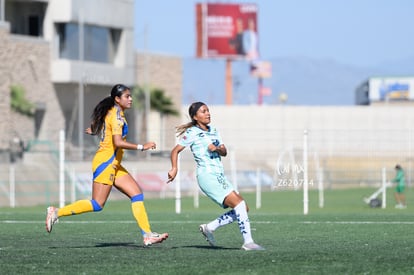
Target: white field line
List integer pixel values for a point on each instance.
(357, 222)
(196, 222)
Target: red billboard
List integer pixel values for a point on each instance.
(227, 30)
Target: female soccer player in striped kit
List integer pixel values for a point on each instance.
(207, 148)
(108, 121)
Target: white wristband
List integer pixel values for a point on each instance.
(140, 147)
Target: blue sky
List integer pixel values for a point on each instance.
(355, 32)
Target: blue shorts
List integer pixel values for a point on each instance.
(215, 186)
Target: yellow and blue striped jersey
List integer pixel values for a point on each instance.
(107, 153)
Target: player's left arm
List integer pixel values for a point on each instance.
(222, 150)
(119, 142)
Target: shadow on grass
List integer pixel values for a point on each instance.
(206, 247)
(118, 245)
(135, 245)
(132, 245)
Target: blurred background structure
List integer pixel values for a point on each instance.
(60, 57)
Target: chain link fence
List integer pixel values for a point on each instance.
(337, 158)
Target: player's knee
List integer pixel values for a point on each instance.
(96, 206)
(139, 197)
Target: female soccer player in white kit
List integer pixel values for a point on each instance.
(207, 148)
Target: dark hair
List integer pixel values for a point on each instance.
(102, 108)
(192, 111)
(398, 167)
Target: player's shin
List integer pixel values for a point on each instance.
(79, 207)
(243, 221)
(224, 219)
(140, 213)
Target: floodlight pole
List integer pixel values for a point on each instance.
(147, 107)
(61, 168)
(260, 92)
(305, 173)
(233, 167)
(320, 187)
(178, 189)
(2, 12)
(12, 183)
(258, 189)
(81, 90)
(384, 188)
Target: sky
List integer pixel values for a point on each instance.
(353, 32)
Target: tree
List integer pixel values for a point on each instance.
(162, 103)
(158, 102)
(164, 106)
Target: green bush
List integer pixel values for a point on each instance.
(19, 103)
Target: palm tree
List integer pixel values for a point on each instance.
(162, 103)
(158, 102)
(165, 107)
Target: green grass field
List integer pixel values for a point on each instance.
(344, 237)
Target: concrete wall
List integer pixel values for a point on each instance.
(4, 86)
(26, 62)
(357, 130)
(351, 144)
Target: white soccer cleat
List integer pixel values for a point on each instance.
(51, 218)
(252, 246)
(153, 237)
(207, 234)
(400, 206)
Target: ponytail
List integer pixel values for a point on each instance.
(182, 128)
(102, 108)
(99, 113)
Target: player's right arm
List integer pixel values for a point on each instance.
(174, 162)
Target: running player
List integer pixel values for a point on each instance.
(108, 121)
(207, 148)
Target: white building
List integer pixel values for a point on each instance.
(379, 90)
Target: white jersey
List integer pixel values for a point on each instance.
(198, 140)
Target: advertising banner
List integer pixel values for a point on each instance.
(227, 31)
(261, 69)
(391, 89)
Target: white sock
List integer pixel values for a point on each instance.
(224, 219)
(243, 221)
